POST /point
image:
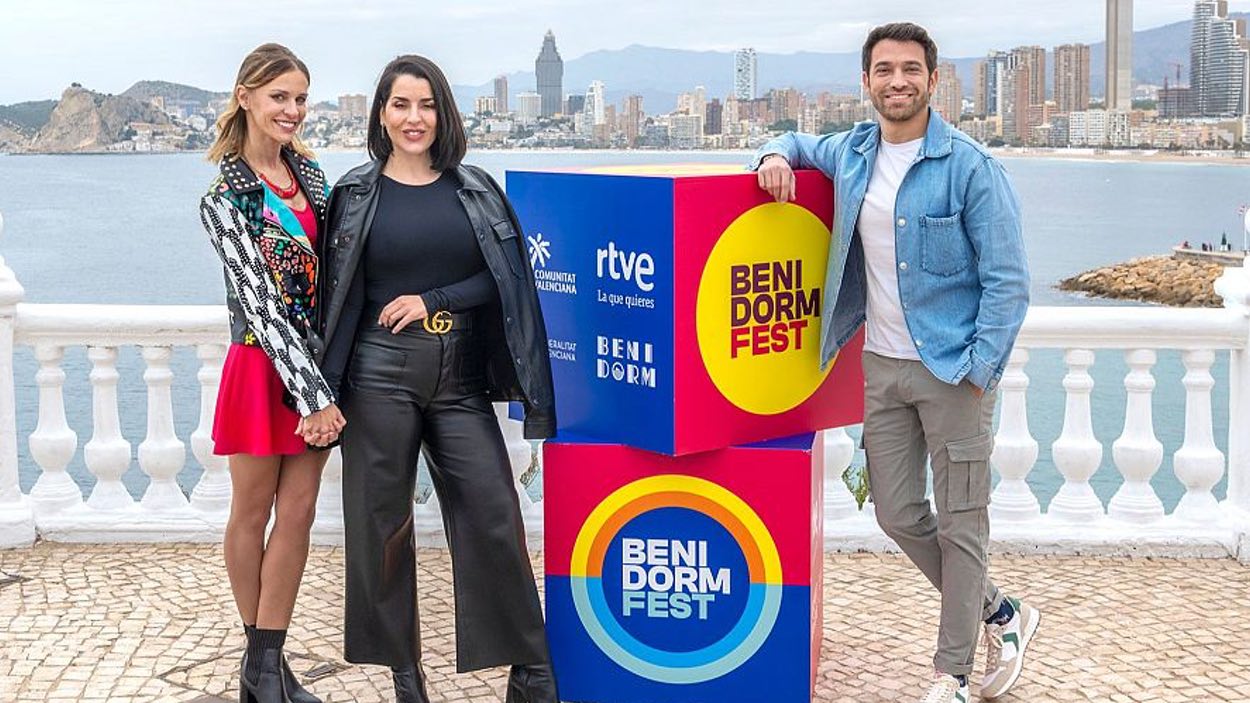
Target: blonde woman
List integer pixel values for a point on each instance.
(262, 213)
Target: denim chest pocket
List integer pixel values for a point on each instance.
(507, 237)
(944, 247)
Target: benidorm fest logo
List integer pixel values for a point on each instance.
(676, 579)
(758, 310)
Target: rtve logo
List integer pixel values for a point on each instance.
(625, 265)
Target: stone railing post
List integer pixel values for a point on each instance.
(1198, 464)
(1015, 450)
(839, 450)
(53, 443)
(1234, 288)
(1137, 453)
(17, 522)
(211, 495)
(1077, 453)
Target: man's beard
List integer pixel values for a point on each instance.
(902, 113)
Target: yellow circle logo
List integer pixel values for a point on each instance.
(758, 311)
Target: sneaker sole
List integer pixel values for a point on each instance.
(1027, 636)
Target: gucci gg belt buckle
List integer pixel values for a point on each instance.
(438, 323)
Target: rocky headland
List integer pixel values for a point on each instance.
(86, 121)
(1167, 280)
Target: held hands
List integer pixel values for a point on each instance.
(322, 427)
(776, 177)
(401, 312)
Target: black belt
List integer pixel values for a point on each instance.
(439, 322)
(442, 322)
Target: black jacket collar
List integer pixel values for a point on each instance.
(242, 179)
(366, 175)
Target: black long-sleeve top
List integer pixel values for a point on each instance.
(421, 242)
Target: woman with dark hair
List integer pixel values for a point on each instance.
(432, 314)
(261, 214)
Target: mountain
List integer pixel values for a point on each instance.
(144, 91)
(26, 118)
(86, 121)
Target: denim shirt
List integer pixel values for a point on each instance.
(962, 276)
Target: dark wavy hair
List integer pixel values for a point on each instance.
(450, 142)
(902, 31)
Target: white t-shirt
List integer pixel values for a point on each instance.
(887, 329)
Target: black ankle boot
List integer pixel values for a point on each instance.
(532, 683)
(268, 687)
(409, 685)
(294, 691)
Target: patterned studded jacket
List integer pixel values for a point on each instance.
(271, 271)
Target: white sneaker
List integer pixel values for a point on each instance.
(946, 689)
(1004, 649)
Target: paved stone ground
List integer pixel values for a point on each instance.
(131, 624)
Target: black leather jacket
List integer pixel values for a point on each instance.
(518, 365)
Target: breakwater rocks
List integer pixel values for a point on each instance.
(1153, 279)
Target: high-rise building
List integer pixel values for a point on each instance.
(1072, 78)
(713, 117)
(686, 132)
(353, 106)
(595, 103)
(698, 103)
(549, 71)
(574, 103)
(501, 93)
(1219, 66)
(990, 75)
(746, 74)
(1120, 55)
(529, 106)
(1033, 59)
(633, 117)
(948, 96)
(484, 105)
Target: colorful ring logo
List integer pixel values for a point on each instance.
(717, 503)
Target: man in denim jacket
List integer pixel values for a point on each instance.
(927, 249)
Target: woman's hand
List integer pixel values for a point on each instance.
(322, 427)
(401, 312)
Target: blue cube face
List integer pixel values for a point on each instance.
(601, 249)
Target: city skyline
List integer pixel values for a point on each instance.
(205, 53)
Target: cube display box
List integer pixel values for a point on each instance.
(684, 579)
(683, 305)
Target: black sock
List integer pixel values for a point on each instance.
(1004, 614)
(963, 681)
(259, 640)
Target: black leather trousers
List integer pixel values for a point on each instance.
(401, 392)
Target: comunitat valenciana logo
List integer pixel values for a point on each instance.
(758, 310)
(676, 579)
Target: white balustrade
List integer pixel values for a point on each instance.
(839, 450)
(17, 522)
(212, 493)
(1015, 450)
(53, 443)
(1198, 464)
(1137, 453)
(107, 453)
(328, 525)
(1077, 453)
(1074, 520)
(161, 454)
(521, 456)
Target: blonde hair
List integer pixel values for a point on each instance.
(265, 63)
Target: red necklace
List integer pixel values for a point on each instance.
(283, 193)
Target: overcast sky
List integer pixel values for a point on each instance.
(108, 45)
